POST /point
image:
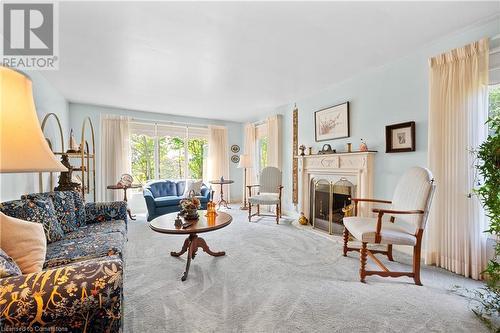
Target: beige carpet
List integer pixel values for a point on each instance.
(279, 278)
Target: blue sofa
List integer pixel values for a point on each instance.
(163, 196)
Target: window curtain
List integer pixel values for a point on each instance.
(250, 149)
(458, 109)
(218, 159)
(275, 146)
(114, 155)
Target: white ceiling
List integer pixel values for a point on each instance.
(236, 61)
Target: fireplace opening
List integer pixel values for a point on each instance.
(327, 200)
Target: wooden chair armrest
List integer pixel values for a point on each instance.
(371, 200)
(250, 186)
(381, 212)
(396, 212)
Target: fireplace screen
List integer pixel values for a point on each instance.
(327, 200)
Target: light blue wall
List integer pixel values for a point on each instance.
(47, 100)
(78, 112)
(394, 93)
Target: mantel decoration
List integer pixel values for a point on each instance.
(326, 149)
(400, 137)
(189, 207)
(332, 122)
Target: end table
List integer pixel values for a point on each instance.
(125, 188)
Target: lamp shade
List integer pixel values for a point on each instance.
(245, 162)
(23, 147)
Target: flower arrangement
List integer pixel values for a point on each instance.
(190, 203)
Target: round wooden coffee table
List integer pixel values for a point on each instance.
(165, 224)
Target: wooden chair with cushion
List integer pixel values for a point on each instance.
(402, 224)
(269, 193)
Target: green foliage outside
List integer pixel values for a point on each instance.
(487, 300)
(171, 154)
(263, 143)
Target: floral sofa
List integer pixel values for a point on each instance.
(163, 196)
(80, 288)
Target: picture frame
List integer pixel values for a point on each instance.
(235, 149)
(235, 159)
(400, 138)
(332, 123)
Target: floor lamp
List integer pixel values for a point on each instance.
(23, 147)
(245, 163)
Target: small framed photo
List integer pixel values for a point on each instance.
(332, 122)
(400, 137)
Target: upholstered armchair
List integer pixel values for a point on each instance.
(269, 193)
(402, 223)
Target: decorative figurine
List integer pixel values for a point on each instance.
(73, 147)
(363, 146)
(222, 179)
(178, 222)
(302, 148)
(302, 219)
(65, 182)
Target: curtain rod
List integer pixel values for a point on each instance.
(179, 124)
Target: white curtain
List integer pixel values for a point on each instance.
(275, 145)
(218, 158)
(114, 155)
(250, 149)
(458, 109)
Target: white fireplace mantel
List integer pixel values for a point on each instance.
(357, 166)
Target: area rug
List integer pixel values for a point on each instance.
(279, 278)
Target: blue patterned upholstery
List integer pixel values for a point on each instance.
(64, 205)
(37, 210)
(163, 196)
(80, 289)
(79, 249)
(7, 266)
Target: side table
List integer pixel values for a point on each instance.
(222, 202)
(125, 188)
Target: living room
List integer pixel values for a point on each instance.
(250, 166)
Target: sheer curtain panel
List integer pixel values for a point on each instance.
(218, 158)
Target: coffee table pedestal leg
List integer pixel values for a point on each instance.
(191, 245)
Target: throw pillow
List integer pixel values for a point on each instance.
(79, 209)
(7, 266)
(24, 242)
(193, 185)
(36, 208)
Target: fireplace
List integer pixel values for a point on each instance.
(327, 199)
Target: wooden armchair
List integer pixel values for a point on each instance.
(269, 193)
(405, 226)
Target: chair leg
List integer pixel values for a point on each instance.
(416, 264)
(362, 261)
(389, 252)
(346, 239)
(258, 210)
(249, 212)
(277, 214)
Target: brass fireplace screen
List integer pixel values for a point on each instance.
(327, 201)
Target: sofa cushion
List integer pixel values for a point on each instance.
(93, 246)
(79, 209)
(94, 228)
(163, 188)
(181, 187)
(64, 206)
(167, 201)
(39, 210)
(24, 242)
(7, 266)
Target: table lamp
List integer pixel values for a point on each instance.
(23, 147)
(245, 163)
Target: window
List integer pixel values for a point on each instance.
(168, 152)
(261, 137)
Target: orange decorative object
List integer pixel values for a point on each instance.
(211, 210)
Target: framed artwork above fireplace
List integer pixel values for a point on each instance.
(332, 123)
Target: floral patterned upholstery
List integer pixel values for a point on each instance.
(7, 266)
(99, 212)
(80, 289)
(93, 246)
(64, 205)
(109, 226)
(37, 210)
(84, 297)
(79, 209)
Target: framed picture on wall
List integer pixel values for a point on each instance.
(400, 137)
(332, 122)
